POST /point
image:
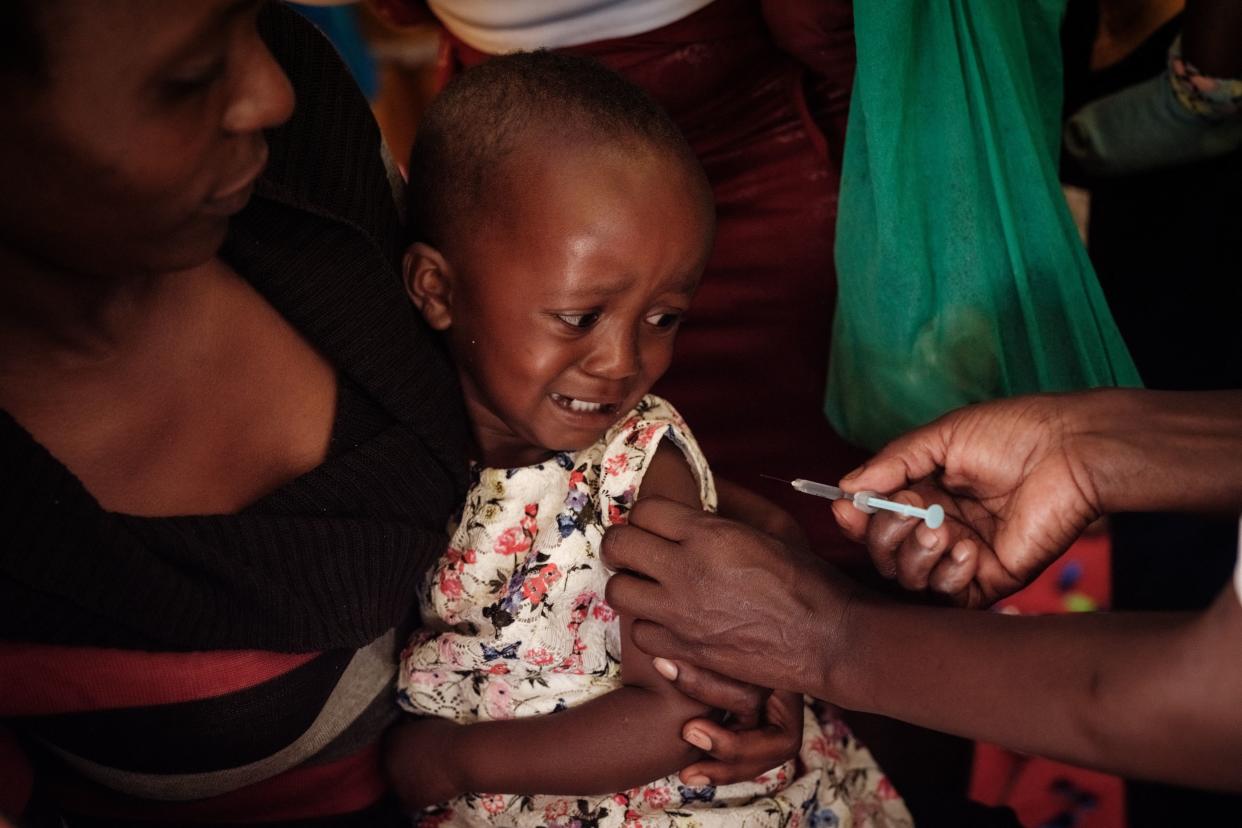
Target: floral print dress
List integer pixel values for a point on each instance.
(516, 625)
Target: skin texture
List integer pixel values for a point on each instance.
(191, 86)
(1023, 478)
(586, 306)
(612, 242)
(163, 381)
(1025, 488)
(1151, 696)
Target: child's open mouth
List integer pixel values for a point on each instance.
(582, 406)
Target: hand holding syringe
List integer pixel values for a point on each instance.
(868, 502)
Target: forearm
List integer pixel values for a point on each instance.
(1159, 450)
(617, 741)
(1151, 696)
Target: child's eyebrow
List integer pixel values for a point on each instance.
(684, 283)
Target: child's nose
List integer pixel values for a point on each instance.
(615, 356)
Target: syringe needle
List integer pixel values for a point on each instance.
(868, 502)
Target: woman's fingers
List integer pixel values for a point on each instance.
(886, 533)
(725, 771)
(954, 572)
(920, 552)
(853, 523)
(744, 702)
(639, 597)
(630, 548)
(739, 755)
(945, 559)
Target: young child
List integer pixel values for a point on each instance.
(562, 225)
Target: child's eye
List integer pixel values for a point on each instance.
(579, 320)
(666, 319)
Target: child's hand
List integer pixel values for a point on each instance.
(419, 762)
(741, 755)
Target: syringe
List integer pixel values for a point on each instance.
(868, 502)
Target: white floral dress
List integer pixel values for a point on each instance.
(516, 625)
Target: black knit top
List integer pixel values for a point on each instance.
(324, 567)
(319, 242)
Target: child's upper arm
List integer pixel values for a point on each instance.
(669, 475)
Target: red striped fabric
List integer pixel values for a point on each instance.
(40, 679)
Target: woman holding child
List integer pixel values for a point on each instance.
(230, 445)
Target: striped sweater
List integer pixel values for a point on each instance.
(233, 669)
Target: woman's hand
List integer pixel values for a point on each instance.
(739, 754)
(725, 597)
(763, 729)
(419, 762)
(1015, 489)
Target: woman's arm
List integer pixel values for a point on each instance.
(1145, 695)
(617, 741)
(1152, 696)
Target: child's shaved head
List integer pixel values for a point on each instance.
(476, 126)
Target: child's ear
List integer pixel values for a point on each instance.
(429, 284)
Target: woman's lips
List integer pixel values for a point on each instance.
(231, 202)
(232, 197)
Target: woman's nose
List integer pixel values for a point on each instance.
(613, 356)
(263, 96)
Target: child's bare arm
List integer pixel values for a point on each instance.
(620, 740)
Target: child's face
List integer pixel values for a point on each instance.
(562, 308)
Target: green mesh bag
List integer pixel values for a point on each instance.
(960, 271)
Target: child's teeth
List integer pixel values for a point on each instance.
(578, 405)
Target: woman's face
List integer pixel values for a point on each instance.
(142, 138)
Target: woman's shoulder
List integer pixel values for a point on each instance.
(322, 237)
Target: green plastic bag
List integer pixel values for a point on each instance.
(960, 271)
